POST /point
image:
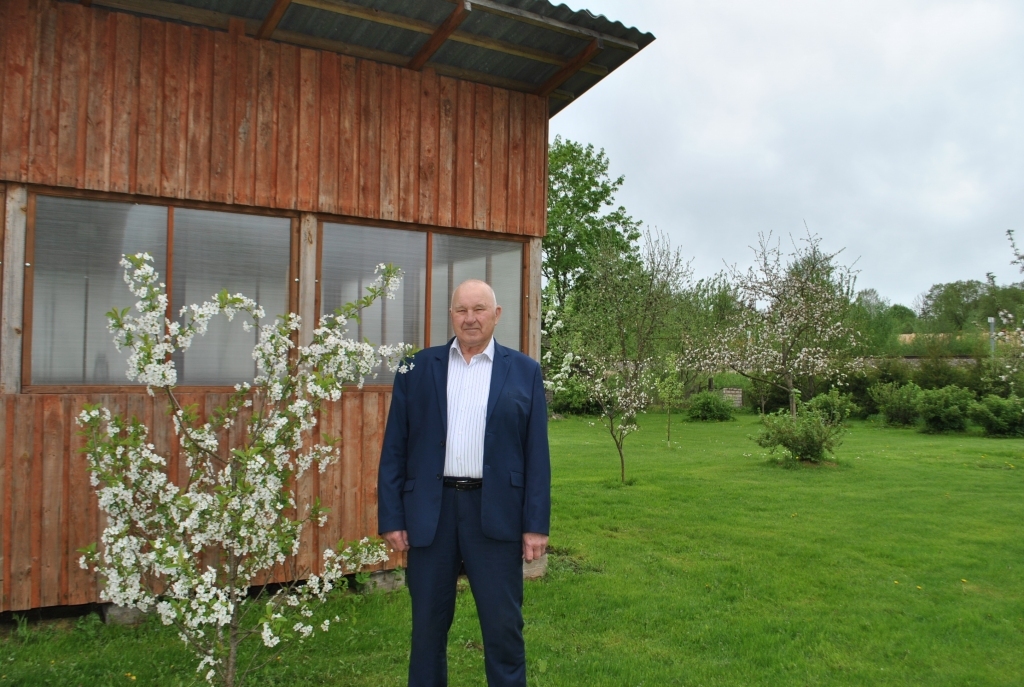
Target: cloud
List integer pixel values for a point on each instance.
(895, 129)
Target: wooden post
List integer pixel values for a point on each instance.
(307, 277)
(11, 315)
(533, 313)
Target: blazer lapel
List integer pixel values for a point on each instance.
(499, 371)
(441, 383)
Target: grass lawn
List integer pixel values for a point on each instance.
(901, 565)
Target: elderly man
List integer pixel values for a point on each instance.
(465, 479)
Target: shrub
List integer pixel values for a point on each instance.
(945, 409)
(875, 371)
(708, 406)
(835, 408)
(574, 399)
(806, 437)
(936, 373)
(897, 403)
(1000, 416)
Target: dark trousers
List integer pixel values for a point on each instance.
(495, 571)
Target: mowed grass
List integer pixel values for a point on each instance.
(903, 564)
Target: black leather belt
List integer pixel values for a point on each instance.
(463, 483)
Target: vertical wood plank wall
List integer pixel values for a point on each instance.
(107, 101)
(48, 509)
(111, 102)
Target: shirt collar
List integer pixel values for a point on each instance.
(487, 352)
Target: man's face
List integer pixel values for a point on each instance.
(474, 315)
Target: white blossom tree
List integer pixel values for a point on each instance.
(618, 313)
(791, 322)
(699, 313)
(193, 550)
(1007, 362)
(1005, 370)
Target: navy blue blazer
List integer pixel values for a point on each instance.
(517, 464)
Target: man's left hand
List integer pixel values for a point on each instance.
(534, 546)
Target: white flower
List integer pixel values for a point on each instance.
(270, 640)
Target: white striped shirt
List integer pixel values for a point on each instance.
(469, 385)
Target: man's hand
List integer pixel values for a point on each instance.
(398, 540)
(534, 546)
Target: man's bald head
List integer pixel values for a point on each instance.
(475, 284)
(475, 313)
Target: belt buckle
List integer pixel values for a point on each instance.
(464, 484)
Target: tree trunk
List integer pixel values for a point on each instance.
(669, 430)
(792, 395)
(622, 461)
(232, 660)
(234, 637)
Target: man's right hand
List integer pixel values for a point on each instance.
(397, 540)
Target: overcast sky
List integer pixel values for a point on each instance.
(894, 128)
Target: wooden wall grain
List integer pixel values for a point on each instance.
(107, 101)
(48, 509)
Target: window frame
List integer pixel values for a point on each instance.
(27, 387)
(431, 230)
(170, 204)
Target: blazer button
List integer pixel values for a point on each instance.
(439, 476)
(442, 443)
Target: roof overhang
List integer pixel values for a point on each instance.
(531, 46)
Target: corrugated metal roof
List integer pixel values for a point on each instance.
(487, 21)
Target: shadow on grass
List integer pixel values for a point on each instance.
(788, 463)
(564, 560)
(616, 483)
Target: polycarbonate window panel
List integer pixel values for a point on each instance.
(350, 254)
(245, 254)
(77, 280)
(499, 263)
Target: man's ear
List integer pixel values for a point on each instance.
(497, 313)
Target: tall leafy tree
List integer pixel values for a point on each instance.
(583, 220)
(952, 307)
(961, 306)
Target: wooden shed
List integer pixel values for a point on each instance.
(281, 148)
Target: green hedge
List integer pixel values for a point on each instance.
(1000, 416)
(896, 402)
(945, 409)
